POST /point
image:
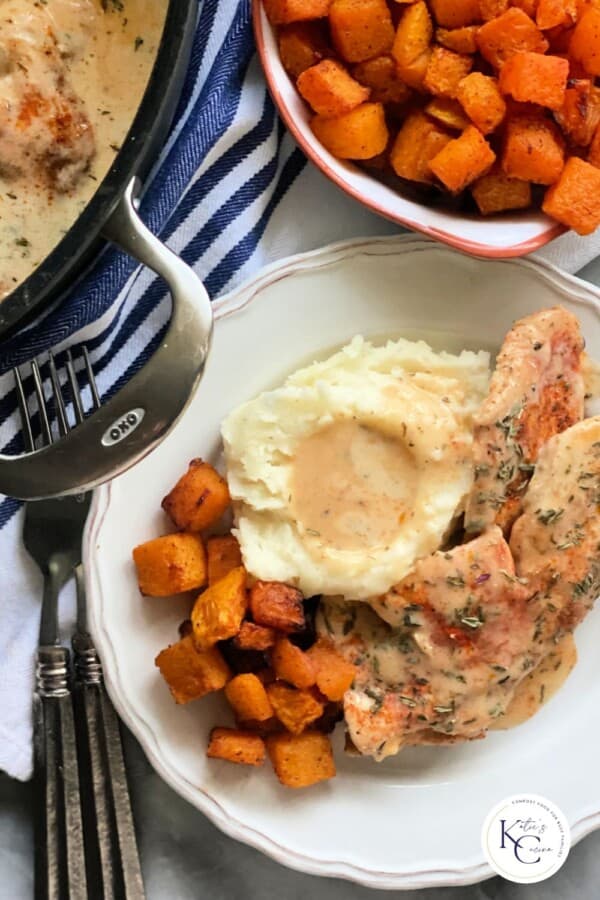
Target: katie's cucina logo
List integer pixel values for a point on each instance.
(526, 838)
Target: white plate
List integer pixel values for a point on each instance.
(411, 821)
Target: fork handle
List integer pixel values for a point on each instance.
(60, 872)
(116, 853)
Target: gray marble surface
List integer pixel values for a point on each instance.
(184, 857)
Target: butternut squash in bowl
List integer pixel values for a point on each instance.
(477, 122)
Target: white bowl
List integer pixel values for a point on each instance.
(497, 237)
(414, 820)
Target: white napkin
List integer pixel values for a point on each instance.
(571, 252)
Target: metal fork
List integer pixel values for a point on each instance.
(98, 854)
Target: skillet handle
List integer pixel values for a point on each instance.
(133, 422)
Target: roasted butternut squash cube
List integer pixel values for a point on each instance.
(199, 498)
(579, 115)
(448, 113)
(455, 13)
(254, 637)
(222, 555)
(292, 664)
(170, 564)
(295, 709)
(301, 760)
(480, 97)
(248, 699)
(301, 45)
(575, 198)
(277, 605)
(330, 89)
(584, 5)
(283, 12)
(534, 78)
(334, 673)
(360, 134)
(461, 40)
(585, 43)
(462, 161)
(413, 37)
(417, 142)
(219, 610)
(555, 13)
(236, 746)
(491, 9)
(510, 33)
(192, 673)
(361, 29)
(445, 71)
(496, 192)
(380, 75)
(533, 149)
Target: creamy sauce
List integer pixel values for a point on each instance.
(541, 685)
(352, 485)
(108, 54)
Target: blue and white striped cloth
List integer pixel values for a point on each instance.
(230, 193)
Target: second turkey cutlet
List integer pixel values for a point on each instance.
(536, 391)
(556, 542)
(445, 663)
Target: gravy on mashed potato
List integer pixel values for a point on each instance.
(355, 467)
(352, 486)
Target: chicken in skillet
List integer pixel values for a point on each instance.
(536, 391)
(45, 134)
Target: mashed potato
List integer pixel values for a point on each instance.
(355, 467)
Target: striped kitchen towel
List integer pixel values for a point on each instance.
(230, 193)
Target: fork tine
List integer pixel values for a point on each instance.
(74, 385)
(91, 379)
(39, 391)
(26, 424)
(61, 410)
